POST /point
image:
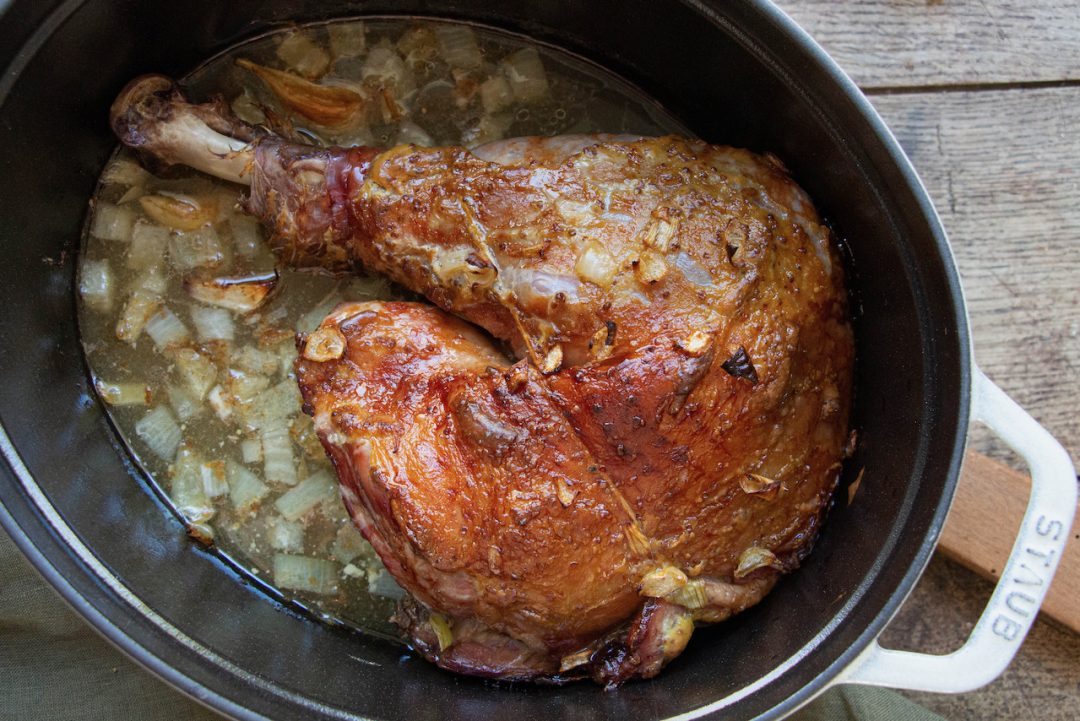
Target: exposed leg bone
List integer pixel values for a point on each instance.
(152, 115)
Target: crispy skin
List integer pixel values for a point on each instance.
(703, 338)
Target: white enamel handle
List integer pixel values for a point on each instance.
(1015, 602)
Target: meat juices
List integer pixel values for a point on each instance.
(663, 448)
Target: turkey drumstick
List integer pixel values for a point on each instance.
(666, 442)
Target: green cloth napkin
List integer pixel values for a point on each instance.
(53, 667)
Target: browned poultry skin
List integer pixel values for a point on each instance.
(538, 503)
(666, 445)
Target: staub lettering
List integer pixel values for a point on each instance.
(1020, 605)
(1049, 527)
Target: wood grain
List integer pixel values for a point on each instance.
(904, 43)
(1003, 168)
(990, 502)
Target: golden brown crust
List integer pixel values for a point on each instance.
(680, 413)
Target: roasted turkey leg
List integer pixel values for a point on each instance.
(665, 444)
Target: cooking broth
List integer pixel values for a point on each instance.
(198, 380)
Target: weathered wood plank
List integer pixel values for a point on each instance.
(1003, 168)
(889, 43)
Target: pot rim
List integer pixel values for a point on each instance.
(92, 590)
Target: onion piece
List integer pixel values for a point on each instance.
(196, 370)
(410, 132)
(278, 465)
(347, 40)
(166, 330)
(349, 543)
(148, 246)
(247, 235)
(754, 558)
(496, 93)
(213, 324)
(250, 359)
(381, 583)
(309, 493)
(247, 108)
(331, 106)
(459, 47)
(187, 491)
(143, 302)
(200, 248)
(214, 480)
(112, 222)
(160, 432)
(303, 573)
(302, 54)
(596, 265)
(287, 535)
(125, 172)
(123, 394)
(184, 403)
(245, 488)
(251, 450)
(240, 294)
(96, 284)
(525, 72)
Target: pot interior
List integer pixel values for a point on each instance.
(734, 75)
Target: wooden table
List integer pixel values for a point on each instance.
(984, 95)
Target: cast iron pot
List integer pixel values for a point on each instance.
(737, 73)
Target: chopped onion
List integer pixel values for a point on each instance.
(186, 405)
(384, 68)
(241, 294)
(187, 492)
(419, 46)
(371, 287)
(250, 359)
(488, 129)
(143, 302)
(459, 47)
(123, 394)
(348, 544)
(96, 284)
(287, 355)
(215, 482)
(525, 72)
(309, 493)
(159, 431)
(126, 172)
(347, 39)
(756, 557)
(251, 450)
(410, 132)
(287, 535)
(148, 245)
(213, 324)
(220, 403)
(179, 211)
(596, 265)
(247, 235)
(246, 388)
(496, 93)
(302, 54)
(112, 222)
(381, 583)
(303, 573)
(201, 248)
(278, 466)
(167, 330)
(245, 488)
(197, 371)
(248, 109)
(273, 407)
(314, 317)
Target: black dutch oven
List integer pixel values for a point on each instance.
(740, 73)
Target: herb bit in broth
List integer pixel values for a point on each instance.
(189, 327)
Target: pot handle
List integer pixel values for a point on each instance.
(1019, 592)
